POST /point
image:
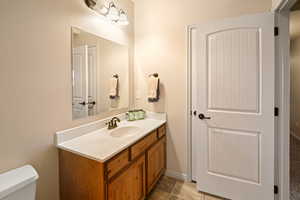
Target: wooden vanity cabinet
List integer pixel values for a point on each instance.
(130, 175)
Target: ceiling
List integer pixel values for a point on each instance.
(296, 6)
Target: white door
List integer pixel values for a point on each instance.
(92, 84)
(233, 86)
(80, 80)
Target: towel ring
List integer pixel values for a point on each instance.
(116, 76)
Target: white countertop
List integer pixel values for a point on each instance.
(99, 144)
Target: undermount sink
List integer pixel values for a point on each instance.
(125, 131)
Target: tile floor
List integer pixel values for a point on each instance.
(172, 189)
(294, 168)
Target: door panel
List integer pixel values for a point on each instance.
(234, 70)
(156, 163)
(234, 86)
(130, 185)
(240, 157)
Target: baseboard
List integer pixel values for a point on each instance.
(295, 136)
(176, 175)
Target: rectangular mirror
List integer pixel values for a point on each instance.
(100, 75)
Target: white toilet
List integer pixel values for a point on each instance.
(18, 184)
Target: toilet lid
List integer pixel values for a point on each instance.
(16, 179)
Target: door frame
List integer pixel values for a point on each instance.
(282, 99)
(282, 48)
(189, 102)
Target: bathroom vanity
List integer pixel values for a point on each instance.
(120, 164)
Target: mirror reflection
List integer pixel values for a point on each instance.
(100, 75)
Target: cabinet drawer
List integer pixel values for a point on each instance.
(143, 144)
(162, 131)
(117, 163)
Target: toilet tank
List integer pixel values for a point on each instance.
(18, 184)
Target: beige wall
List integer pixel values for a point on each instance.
(35, 79)
(161, 46)
(295, 72)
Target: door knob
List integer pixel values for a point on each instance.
(202, 116)
(82, 103)
(92, 103)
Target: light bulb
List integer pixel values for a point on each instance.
(113, 13)
(123, 20)
(103, 10)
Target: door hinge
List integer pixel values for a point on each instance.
(276, 31)
(276, 190)
(276, 111)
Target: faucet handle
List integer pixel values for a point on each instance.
(107, 123)
(114, 124)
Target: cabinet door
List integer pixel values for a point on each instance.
(156, 163)
(130, 185)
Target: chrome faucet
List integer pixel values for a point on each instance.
(113, 123)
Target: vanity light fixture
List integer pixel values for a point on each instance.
(110, 11)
